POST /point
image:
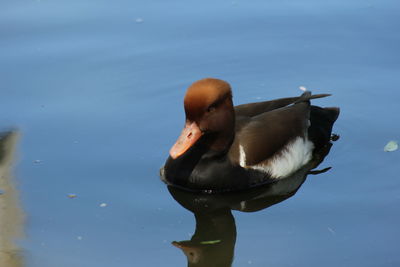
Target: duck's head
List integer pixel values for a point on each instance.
(209, 115)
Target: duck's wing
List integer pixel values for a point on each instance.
(275, 142)
(257, 108)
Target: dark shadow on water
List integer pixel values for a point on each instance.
(213, 242)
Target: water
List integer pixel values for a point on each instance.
(95, 90)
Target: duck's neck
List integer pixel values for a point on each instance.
(221, 141)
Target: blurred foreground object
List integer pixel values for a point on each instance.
(11, 216)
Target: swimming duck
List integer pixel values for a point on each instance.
(228, 148)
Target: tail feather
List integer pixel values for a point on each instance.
(322, 120)
(333, 112)
(307, 96)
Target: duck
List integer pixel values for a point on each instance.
(225, 148)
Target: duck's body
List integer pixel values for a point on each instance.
(226, 148)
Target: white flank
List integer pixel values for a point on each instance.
(242, 157)
(295, 155)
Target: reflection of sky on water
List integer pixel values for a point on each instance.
(98, 96)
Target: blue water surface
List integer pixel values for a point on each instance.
(96, 87)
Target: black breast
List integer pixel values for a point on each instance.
(197, 170)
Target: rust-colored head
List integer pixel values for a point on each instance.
(205, 94)
(209, 110)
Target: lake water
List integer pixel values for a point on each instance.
(95, 90)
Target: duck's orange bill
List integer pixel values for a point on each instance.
(190, 134)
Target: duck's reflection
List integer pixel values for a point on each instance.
(11, 216)
(213, 242)
(214, 239)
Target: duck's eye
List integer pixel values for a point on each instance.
(210, 109)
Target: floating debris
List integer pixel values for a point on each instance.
(79, 237)
(331, 231)
(72, 195)
(303, 88)
(391, 146)
(37, 161)
(210, 242)
(103, 205)
(139, 20)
